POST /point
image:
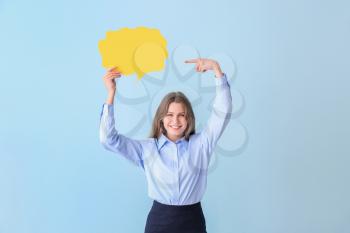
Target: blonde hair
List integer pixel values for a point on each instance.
(177, 97)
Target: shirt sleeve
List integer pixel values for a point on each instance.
(219, 117)
(113, 141)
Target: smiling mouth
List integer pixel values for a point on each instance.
(175, 127)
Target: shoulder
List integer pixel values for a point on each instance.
(195, 138)
(148, 142)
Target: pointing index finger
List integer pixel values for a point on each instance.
(191, 61)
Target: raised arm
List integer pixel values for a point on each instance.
(222, 107)
(110, 138)
(220, 115)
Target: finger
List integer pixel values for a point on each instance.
(112, 68)
(115, 76)
(191, 61)
(197, 67)
(115, 73)
(201, 69)
(110, 76)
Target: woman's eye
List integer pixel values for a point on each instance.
(171, 115)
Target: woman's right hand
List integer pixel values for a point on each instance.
(109, 79)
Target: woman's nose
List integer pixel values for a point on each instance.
(175, 120)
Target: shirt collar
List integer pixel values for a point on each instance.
(163, 139)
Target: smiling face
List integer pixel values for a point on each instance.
(174, 117)
(174, 121)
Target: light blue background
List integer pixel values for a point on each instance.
(293, 70)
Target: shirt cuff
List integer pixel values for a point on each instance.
(221, 81)
(108, 109)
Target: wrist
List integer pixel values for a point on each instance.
(110, 100)
(111, 93)
(217, 71)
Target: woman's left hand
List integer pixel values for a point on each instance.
(204, 64)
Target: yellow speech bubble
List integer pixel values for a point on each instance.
(139, 50)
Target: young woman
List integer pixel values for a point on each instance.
(174, 158)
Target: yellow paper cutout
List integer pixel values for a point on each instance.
(140, 50)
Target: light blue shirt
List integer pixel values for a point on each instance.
(176, 172)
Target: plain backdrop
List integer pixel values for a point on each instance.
(292, 69)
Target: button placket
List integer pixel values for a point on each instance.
(177, 171)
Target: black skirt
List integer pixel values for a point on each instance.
(175, 219)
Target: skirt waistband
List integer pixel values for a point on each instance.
(157, 206)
